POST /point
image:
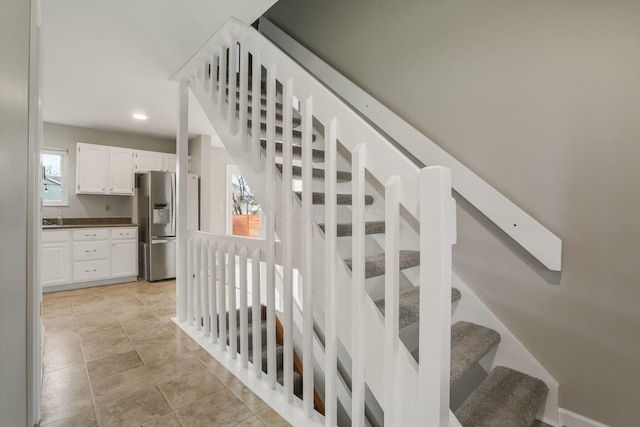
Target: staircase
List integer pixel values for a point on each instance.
(338, 233)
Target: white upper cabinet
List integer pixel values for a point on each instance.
(148, 161)
(104, 170)
(121, 173)
(91, 168)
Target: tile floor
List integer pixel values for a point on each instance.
(113, 357)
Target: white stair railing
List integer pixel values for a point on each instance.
(223, 91)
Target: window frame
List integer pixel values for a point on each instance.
(64, 186)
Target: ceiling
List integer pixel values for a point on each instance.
(106, 60)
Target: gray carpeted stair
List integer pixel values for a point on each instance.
(370, 227)
(342, 199)
(296, 135)
(410, 305)
(316, 173)
(296, 151)
(374, 264)
(296, 119)
(469, 344)
(506, 398)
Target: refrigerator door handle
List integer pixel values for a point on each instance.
(173, 203)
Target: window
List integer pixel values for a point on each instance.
(54, 175)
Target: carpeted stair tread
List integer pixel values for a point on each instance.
(410, 306)
(506, 398)
(370, 227)
(296, 119)
(374, 264)
(469, 344)
(316, 173)
(341, 199)
(296, 151)
(295, 136)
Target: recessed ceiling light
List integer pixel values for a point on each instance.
(140, 116)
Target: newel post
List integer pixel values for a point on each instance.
(436, 237)
(182, 143)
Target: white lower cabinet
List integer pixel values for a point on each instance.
(81, 256)
(55, 260)
(124, 252)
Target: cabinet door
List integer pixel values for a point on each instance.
(146, 161)
(121, 171)
(54, 264)
(91, 168)
(124, 258)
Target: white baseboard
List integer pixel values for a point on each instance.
(571, 419)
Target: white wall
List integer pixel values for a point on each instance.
(541, 100)
(87, 205)
(14, 75)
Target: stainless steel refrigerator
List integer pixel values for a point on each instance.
(157, 222)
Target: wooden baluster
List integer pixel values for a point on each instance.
(222, 82)
(233, 66)
(204, 285)
(213, 303)
(244, 77)
(358, 292)
(307, 214)
(196, 283)
(222, 300)
(190, 280)
(233, 322)
(271, 226)
(256, 314)
(331, 298)
(256, 107)
(392, 296)
(287, 242)
(244, 316)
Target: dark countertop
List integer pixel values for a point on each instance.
(50, 223)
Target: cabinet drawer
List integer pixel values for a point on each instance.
(90, 270)
(124, 233)
(91, 234)
(59, 236)
(84, 251)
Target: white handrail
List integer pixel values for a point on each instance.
(519, 225)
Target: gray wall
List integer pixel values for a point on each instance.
(14, 85)
(87, 205)
(541, 99)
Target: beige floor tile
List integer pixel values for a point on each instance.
(64, 358)
(133, 410)
(65, 393)
(159, 333)
(68, 381)
(251, 422)
(164, 370)
(249, 398)
(95, 324)
(57, 324)
(107, 346)
(168, 420)
(273, 419)
(134, 327)
(108, 388)
(113, 364)
(133, 314)
(225, 377)
(189, 388)
(60, 342)
(83, 419)
(221, 409)
(160, 349)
